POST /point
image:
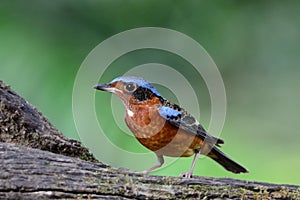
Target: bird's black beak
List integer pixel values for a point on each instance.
(103, 87)
(107, 87)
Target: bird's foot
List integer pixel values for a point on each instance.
(186, 174)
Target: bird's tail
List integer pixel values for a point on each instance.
(226, 162)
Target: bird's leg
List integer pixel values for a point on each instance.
(160, 160)
(190, 172)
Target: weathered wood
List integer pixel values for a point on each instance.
(32, 167)
(32, 173)
(21, 123)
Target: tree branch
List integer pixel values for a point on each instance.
(23, 124)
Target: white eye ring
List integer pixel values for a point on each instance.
(130, 87)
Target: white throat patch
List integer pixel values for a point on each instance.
(130, 113)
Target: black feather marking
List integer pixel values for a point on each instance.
(142, 94)
(182, 119)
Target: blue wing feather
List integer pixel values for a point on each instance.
(181, 119)
(167, 112)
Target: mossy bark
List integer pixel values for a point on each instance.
(37, 161)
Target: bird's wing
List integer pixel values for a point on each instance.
(183, 120)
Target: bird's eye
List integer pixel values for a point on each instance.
(130, 87)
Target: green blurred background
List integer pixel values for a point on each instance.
(255, 44)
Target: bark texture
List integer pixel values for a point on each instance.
(23, 124)
(38, 162)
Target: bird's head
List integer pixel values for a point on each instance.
(130, 89)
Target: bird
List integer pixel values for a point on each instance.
(164, 127)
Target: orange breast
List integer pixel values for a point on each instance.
(158, 135)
